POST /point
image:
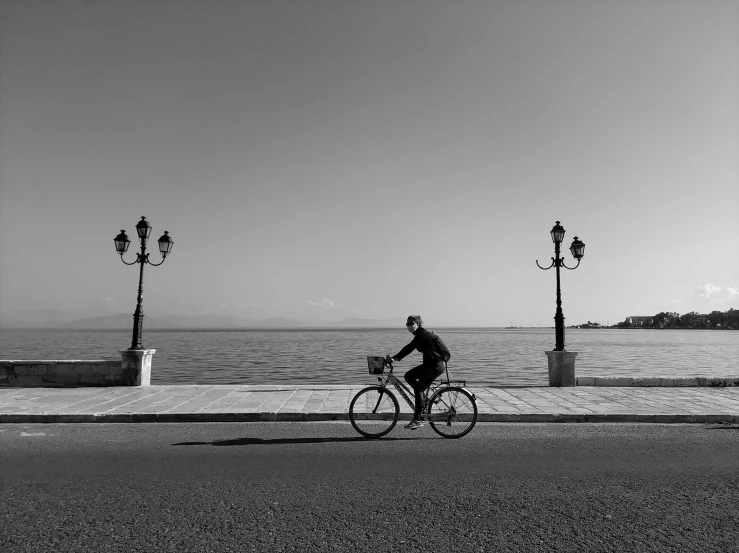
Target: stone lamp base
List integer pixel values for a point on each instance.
(561, 368)
(136, 364)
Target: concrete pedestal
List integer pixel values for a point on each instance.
(561, 368)
(136, 365)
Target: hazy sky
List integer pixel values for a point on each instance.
(340, 158)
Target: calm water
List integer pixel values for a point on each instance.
(482, 356)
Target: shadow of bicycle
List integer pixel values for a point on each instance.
(278, 441)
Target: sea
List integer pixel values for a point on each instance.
(481, 356)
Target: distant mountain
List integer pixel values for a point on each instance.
(44, 318)
(372, 323)
(63, 319)
(38, 318)
(124, 321)
(353, 322)
(282, 322)
(121, 321)
(210, 321)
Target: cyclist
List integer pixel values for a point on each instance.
(420, 377)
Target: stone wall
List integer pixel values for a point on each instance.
(54, 373)
(625, 381)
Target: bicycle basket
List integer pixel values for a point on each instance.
(376, 364)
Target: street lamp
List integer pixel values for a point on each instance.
(578, 251)
(143, 229)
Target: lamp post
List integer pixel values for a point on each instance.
(561, 364)
(143, 229)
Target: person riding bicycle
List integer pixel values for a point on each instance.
(421, 377)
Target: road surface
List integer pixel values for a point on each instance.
(321, 487)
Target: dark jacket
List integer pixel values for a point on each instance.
(423, 342)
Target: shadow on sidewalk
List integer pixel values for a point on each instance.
(260, 441)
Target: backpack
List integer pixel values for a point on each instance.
(441, 349)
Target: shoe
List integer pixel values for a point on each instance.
(414, 424)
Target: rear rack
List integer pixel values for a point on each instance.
(457, 383)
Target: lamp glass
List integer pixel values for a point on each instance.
(121, 242)
(558, 233)
(165, 244)
(577, 249)
(143, 229)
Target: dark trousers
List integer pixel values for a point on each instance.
(420, 378)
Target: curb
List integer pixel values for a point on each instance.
(317, 417)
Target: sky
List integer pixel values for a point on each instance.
(322, 159)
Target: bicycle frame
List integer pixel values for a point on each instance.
(409, 395)
(402, 389)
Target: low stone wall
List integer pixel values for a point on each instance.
(626, 382)
(67, 373)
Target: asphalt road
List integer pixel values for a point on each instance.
(320, 487)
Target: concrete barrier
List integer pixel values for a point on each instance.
(63, 373)
(626, 382)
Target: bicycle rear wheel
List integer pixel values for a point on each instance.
(374, 411)
(452, 412)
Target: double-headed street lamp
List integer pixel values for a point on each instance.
(578, 251)
(143, 229)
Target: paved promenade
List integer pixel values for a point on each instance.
(317, 403)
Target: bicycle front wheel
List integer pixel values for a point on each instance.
(452, 412)
(374, 411)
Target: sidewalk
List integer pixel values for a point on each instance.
(223, 403)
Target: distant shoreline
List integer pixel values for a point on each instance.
(332, 328)
(256, 328)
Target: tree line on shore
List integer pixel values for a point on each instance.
(714, 320)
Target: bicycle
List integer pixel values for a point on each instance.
(451, 410)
